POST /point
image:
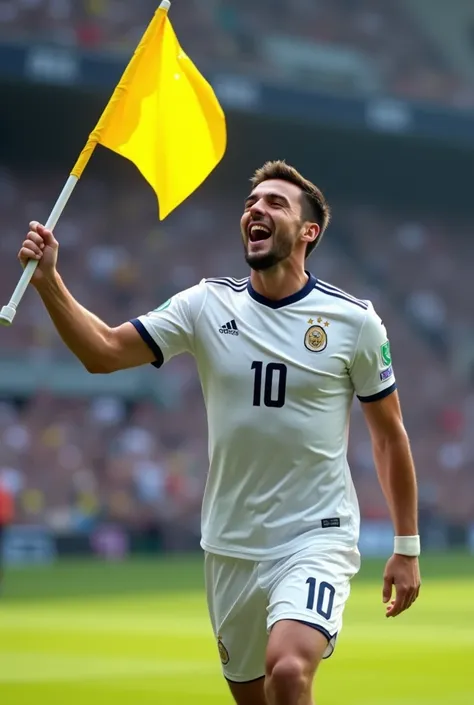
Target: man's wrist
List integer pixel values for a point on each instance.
(407, 545)
(48, 282)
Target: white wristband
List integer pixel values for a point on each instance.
(407, 545)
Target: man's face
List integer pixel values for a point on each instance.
(272, 223)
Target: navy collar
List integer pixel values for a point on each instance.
(301, 294)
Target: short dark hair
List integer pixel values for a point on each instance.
(315, 207)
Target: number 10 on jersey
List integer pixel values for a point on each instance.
(273, 379)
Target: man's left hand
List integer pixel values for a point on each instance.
(403, 573)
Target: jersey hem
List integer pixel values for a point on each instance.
(320, 540)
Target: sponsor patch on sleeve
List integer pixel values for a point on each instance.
(385, 374)
(385, 354)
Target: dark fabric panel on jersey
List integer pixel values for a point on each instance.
(380, 395)
(254, 680)
(325, 633)
(318, 628)
(232, 285)
(271, 303)
(154, 347)
(331, 287)
(340, 295)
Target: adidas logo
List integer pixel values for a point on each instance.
(229, 328)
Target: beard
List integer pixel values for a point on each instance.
(280, 251)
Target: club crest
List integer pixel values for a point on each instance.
(316, 339)
(223, 653)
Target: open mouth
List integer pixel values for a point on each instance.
(258, 232)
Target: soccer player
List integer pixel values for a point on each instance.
(280, 355)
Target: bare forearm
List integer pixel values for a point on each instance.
(83, 332)
(397, 478)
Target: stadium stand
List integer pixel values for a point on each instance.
(327, 44)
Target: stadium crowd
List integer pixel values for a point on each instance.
(334, 44)
(71, 462)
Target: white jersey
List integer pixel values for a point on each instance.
(278, 379)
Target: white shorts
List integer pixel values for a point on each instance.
(246, 598)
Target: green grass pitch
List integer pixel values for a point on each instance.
(89, 633)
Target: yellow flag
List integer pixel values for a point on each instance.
(164, 117)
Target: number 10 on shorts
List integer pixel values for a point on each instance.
(325, 598)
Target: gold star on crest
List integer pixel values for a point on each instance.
(320, 319)
(310, 321)
(326, 323)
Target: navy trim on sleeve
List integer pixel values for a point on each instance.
(380, 395)
(154, 347)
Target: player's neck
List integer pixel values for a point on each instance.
(278, 282)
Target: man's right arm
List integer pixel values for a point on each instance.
(101, 349)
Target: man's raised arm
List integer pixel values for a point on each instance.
(101, 349)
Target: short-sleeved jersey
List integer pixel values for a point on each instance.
(278, 379)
